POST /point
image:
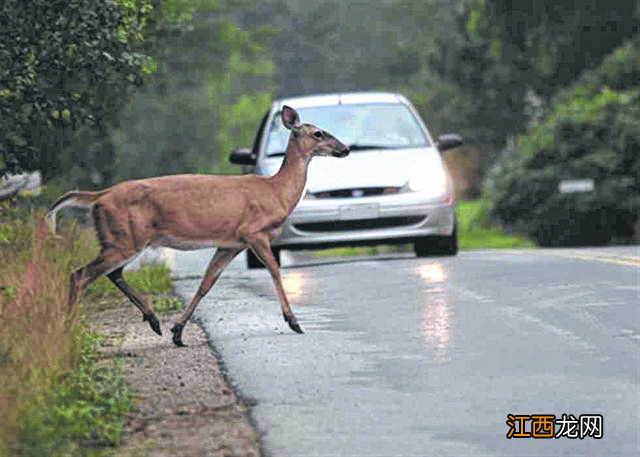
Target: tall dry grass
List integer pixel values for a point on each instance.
(38, 332)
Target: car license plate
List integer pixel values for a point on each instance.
(363, 211)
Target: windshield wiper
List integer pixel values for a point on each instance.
(362, 147)
(276, 154)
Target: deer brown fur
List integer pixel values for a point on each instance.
(195, 211)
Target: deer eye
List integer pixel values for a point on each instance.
(318, 134)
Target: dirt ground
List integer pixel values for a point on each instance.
(186, 407)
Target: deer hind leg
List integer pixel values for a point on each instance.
(84, 276)
(147, 312)
(220, 260)
(262, 249)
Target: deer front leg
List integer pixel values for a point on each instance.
(262, 249)
(220, 260)
(147, 313)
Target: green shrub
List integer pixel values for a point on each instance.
(593, 133)
(55, 398)
(84, 412)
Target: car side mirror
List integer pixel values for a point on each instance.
(242, 156)
(448, 141)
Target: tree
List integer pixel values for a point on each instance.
(510, 57)
(592, 133)
(212, 84)
(66, 66)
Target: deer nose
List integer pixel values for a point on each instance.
(344, 152)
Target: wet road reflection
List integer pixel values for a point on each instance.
(433, 273)
(293, 284)
(438, 315)
(407, 356)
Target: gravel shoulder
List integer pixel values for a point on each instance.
(185, 405)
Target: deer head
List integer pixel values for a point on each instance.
(309, 139)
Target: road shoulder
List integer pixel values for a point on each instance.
(185, 405)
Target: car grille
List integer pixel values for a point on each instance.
(357, 192)
(359, 224)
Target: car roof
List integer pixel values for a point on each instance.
(345, 98)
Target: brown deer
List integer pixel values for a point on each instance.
(196, 211)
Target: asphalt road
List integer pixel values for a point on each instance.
(416, 357)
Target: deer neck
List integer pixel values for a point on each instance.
(290, 180)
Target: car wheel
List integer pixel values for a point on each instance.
(253, 262)
(437, 245)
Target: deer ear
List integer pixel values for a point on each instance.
(290, 118)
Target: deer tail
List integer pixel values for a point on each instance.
(76, 198)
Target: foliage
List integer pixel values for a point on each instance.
(239, 125)
(352, 251)
(149, 279)
(57, 397)
(66, 68)
(592, 133)
(211, 86)
(37, 343)
(510, 58)
(83, 413)
(476, 230)
(163, 304)
(481, 68)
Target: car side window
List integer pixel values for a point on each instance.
(257, 140)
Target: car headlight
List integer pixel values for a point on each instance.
(435, 184)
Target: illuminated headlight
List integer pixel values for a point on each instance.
(434, 184)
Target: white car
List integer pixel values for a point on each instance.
(392, 188)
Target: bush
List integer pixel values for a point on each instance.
(83, 413)
(55, 397)
(592, 133)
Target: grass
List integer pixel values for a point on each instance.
(166, 305)
(56, 400)
(83, 413)
(149, 279)
(475, 231)
(364, 250)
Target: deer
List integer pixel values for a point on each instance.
(195, 211)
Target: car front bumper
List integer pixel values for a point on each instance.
(317, 223)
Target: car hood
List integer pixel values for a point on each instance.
(374, 168)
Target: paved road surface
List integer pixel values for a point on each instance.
(415, 357)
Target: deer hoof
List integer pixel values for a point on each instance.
(177, 335)
(153, 322)
(293, 323)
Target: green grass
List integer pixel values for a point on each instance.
(166, 305)
(149, 279)
(83, 413)
(476, 231)
(363, 250)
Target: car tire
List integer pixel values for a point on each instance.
(429, 246)
(253, 262)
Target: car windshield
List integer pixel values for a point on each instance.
(362, 126)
